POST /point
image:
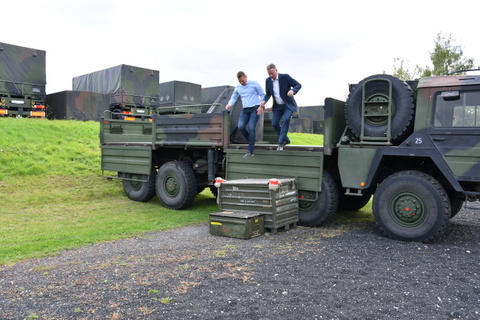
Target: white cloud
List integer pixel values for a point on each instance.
(324, 45)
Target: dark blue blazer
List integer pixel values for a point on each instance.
(286, 83)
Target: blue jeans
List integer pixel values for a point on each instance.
(247, 123)
(281, 113)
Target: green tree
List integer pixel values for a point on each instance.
(401, 71)
(446, 57)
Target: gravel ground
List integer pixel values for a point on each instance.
(304, 273)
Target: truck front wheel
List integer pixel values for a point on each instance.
(139, 187)
(176, 185)
(316, 207)
(411, 206)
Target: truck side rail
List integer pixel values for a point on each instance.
(183, 126)
(191, 129)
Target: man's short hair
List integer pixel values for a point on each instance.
(241, 74)
(271, 66)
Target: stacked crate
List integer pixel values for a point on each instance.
(275, 199)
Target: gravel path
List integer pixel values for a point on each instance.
(305, 273)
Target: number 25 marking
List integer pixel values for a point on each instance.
(418, 140)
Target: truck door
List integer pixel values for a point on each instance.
(455, 130)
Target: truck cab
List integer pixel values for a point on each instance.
(403, 138)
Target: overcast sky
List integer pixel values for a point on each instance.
(325, 45)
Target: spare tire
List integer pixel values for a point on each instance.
(377, 91)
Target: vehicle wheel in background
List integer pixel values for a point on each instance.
(139, 187)
(176, 185)
(317, 207)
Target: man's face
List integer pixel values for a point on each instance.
(272, 73)
(242, 80)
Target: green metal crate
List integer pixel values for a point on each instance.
(242, 225)
(279, 206)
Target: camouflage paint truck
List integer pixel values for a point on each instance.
(22, 81)
(414, 146)
(132, 90)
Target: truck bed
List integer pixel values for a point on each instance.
(181, 130)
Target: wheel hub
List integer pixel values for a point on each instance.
(376, 110)
(408, 209)
(136, 185)
(171, 186)
(306, 200)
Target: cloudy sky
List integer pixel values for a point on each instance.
(325, 45)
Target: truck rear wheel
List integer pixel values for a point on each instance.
(139, 187)
(176, 185)
(376, 92)
(411, 206)
(316, 207)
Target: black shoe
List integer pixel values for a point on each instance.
(248, 155)
(280, 147)
(287, 141)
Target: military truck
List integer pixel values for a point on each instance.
(414, 146)
(22, 81)
(133, 90)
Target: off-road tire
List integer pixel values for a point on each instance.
(403, 107)
(176, 185)
(143, 190)
(315, 212)
(411, 206)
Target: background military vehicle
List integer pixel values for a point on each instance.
(22, 81)
(132, 90)
(79, 105)
(414, 146)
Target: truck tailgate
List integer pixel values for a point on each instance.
(305, 166)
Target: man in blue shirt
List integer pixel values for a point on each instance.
(252, 94)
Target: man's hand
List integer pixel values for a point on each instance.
(290, 93)
(260, 109)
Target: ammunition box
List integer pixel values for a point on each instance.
(278, 202)
(241, 225)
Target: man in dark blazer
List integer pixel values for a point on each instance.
(282, 87)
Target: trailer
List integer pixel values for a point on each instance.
(22, 81)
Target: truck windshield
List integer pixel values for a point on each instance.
(460, 110)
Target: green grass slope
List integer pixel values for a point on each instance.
(53, 196)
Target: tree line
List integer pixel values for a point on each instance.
(447, 56)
